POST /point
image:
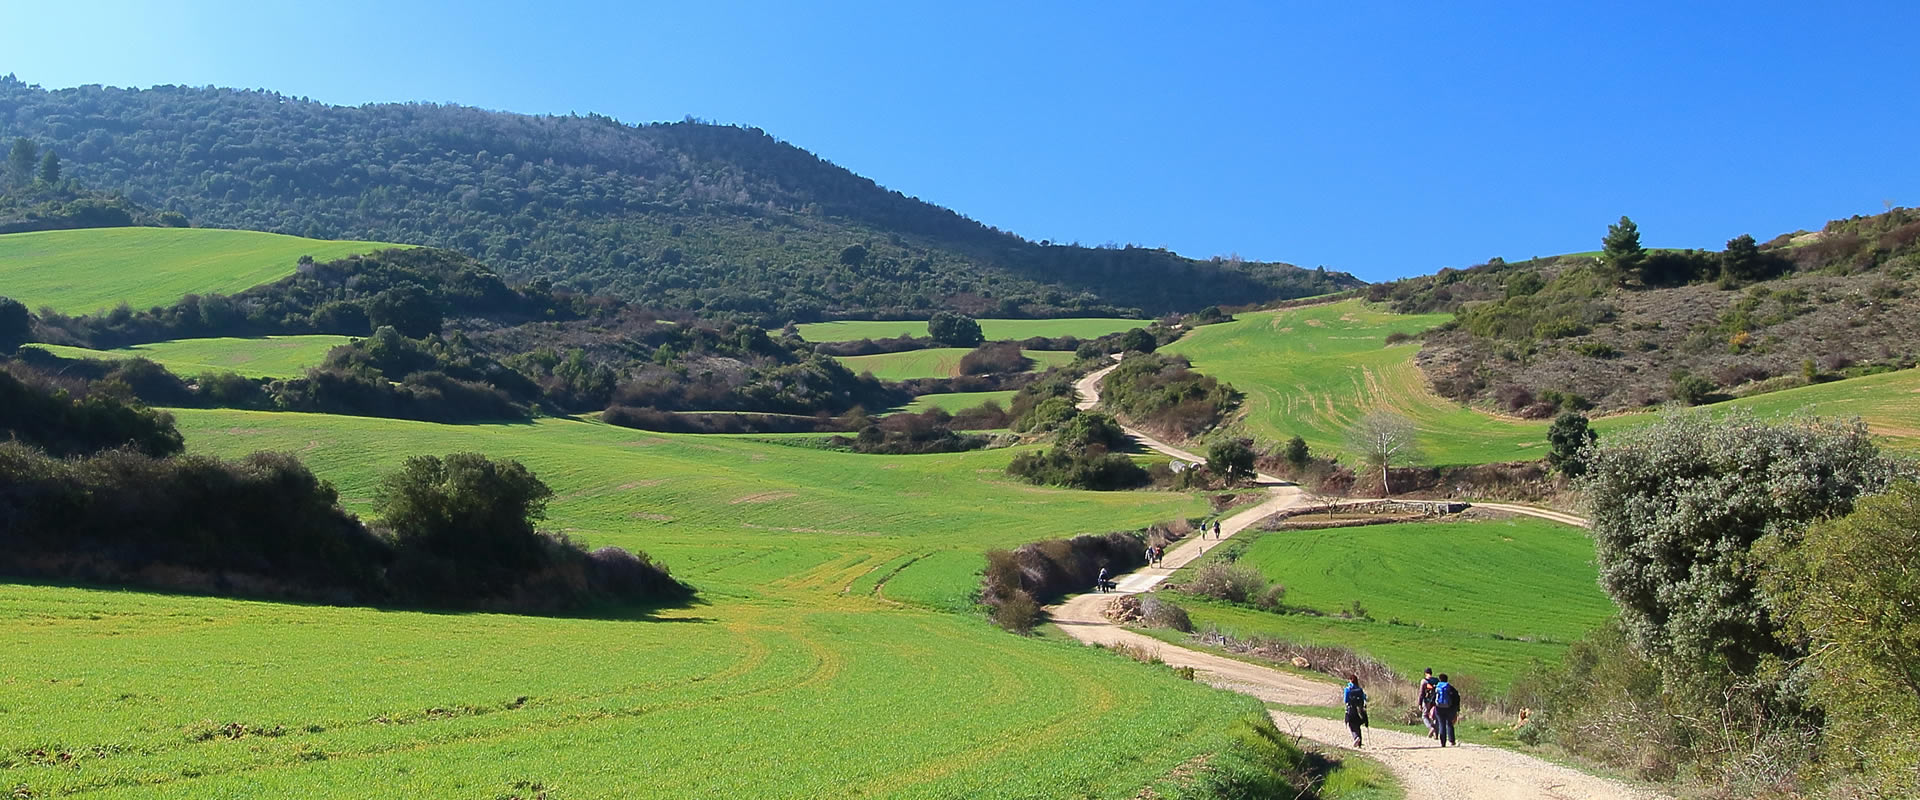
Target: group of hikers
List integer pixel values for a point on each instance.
(1439, 707)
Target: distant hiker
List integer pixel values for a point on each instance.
(1426, 701)
(1356, 700)
(1100, 583)
(1216, 529)
(1446, 710)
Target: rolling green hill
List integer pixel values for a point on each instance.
(795, 655)
(1483, 599)
(957, 401)
(937, 362)
(995, 329)
(264, 357)
(1314, 371)
(79, 271)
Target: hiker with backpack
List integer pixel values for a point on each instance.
(1446, 710)
(1356, 700)
(1425, 686)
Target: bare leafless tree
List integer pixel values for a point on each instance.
(1383, 440)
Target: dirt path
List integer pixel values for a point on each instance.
(1426, 771)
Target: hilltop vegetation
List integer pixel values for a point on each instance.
(1535, 337)
(685, 215)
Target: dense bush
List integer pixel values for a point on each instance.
(1159, 612)
(1047, 570)
(53, 420)
(994, 357)
(954, 330)
(1079, 468)
(1234, 583)
(867, 347)
(930, 431)
(1162, 394)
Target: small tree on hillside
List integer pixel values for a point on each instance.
(1567, 443)
(1677, 507)
(1138, 340)
(1384, 440)
(954, 330)
(1231, 459)
(1620, 250)
(16, 325)
(1852, 590)
(21, 160)
(1297, 454)
(50, 169)
(463, 521)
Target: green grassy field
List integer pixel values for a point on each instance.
(264, 357)
(1315, 371)
(1482, 599)
(80, 271)
(801, 658)
(959, 401)
(994, 329)
(937, 362)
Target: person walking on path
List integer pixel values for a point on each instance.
(1216, 529)
(1356, 700)
(1446, 710)
(1426, 701)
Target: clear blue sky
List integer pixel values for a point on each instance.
(1385, 139)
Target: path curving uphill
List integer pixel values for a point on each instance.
(1426, 771)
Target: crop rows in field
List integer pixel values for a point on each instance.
(80, 271)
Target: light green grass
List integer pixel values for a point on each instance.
(264, 357)
(815, 655)
(1483, 599)
(1314, 372)
(960, 401)
(937, 362)
(89, 270)
(994, 329)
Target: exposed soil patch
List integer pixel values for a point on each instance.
(762, 497)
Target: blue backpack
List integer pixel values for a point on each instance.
(1354, 696)
(1445, 696)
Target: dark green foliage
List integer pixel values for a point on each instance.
(853, 255)
(1676, 267)
(1296, 454)
(1525, 283)
(757, 228)
(45, 207)
(1079, 468)
(21, 159)
(466, 509)
(1160, 392)
(1568, 440)
(1137, 340)
(1849, 593)
(405, 307)
(954, 330)
(1677, 507)
(930, 431)
(1049, 570)
(49, 168)
(1743, 262)
(1231, 459)
(16, 325)
(1691, 390)
(1620, 250)
(54, 421)
(1091, 429)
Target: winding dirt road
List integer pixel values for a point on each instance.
(1426, 771)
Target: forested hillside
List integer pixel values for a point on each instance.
(683, 215)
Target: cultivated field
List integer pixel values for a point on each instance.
(1315, 371)
(959, 401)
(264, 357)
(799, 674)
(938, 362)
(81, 271)
(994, 329)
(1482, 599)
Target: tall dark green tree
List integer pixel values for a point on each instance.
(16, 325)
(1231, 459)
(50, 169)
(1743, 261)
(1567, 442)
(1620, 250)
(21, 161)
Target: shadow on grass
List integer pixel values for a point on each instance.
(608, 612)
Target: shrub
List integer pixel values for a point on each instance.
(1159, 612)
(53, 420)
(994, 357)
(1296, 454)
(1234, 583)
(1273, 599)
(1017, 613)
(1231, 459)
(1079, 468)
(954, 330)
(1690, 389)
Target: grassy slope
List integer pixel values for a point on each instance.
(265, 357)
(80, 271)
(789, 664)
(1477, 598)
(938, 362)
(958, 401)
(1314, 371)
(995, 329)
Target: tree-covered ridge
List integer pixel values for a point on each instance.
(683, 215)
